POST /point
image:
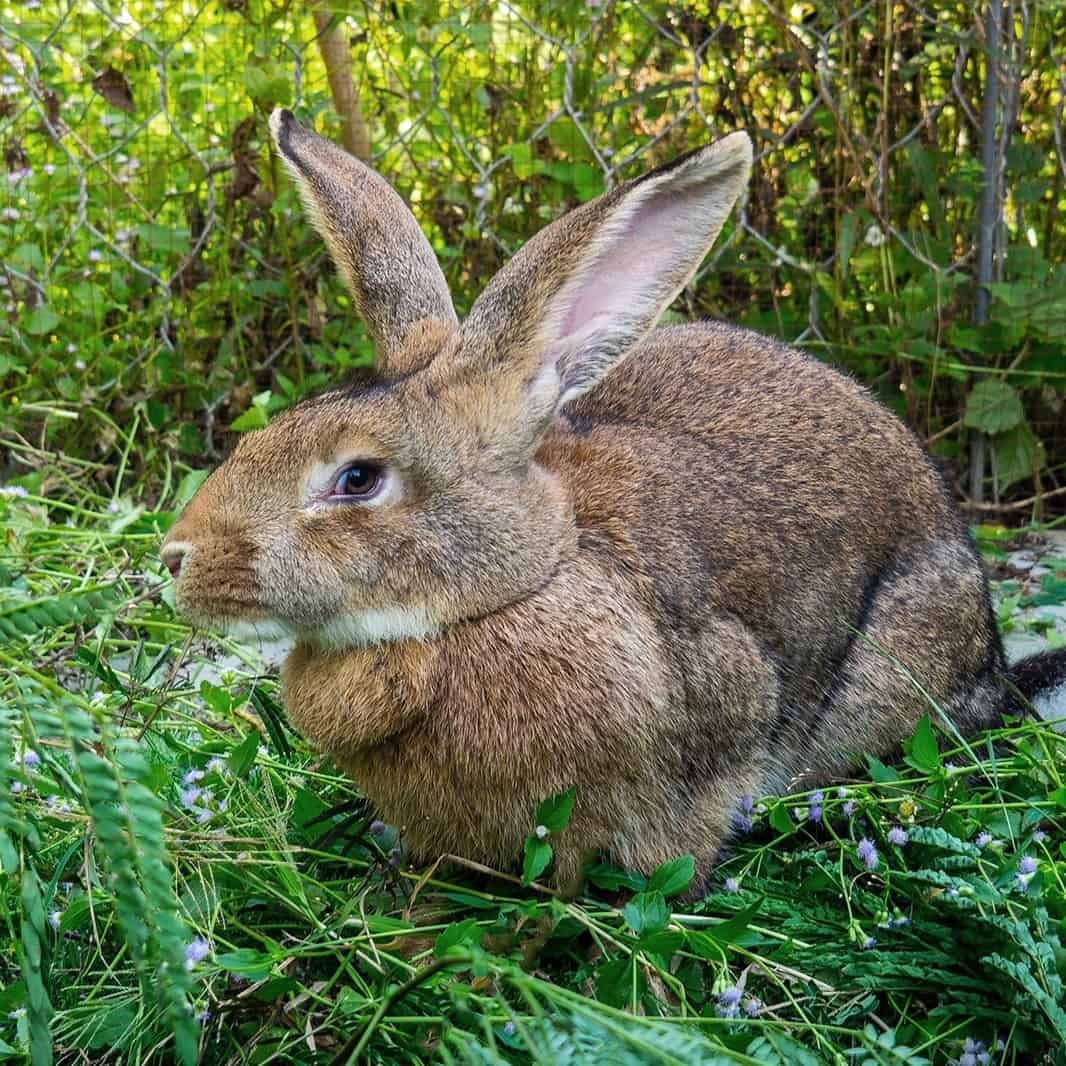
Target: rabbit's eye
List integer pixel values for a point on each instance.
(359, 481)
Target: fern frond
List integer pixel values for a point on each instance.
(28, 619)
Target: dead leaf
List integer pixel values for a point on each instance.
(114, 87)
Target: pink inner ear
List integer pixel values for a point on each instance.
(641, 265)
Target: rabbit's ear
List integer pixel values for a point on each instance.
(586, 288)
(382, 254)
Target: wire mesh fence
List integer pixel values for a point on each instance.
(155, 266)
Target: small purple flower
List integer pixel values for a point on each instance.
(731, 885)
(16, 787)
(1028, 865)
(217, 766)
(189, 796)
(203, 1017)
(817, 799)
(30, 759)
(729, 1002)
(394, 857)
(95, 255)
(54, 918)
(897, 836)
(814, 813)
(842, 793)
(983, 840)
(869, 942)
(509, 1029)
(747, 803)
(848, 808)
(377, 828)
(752, 1007)
(196, 951)
(867, 851)
(1039, 836)
(192, 777)
(742, 823)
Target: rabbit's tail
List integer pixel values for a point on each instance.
(1038, 683)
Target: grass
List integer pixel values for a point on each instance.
(183, 879)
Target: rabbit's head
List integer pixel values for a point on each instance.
(391, 511)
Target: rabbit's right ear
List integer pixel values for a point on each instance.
(375, 241)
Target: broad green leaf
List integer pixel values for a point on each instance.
(538, 855)
(1016, 455)
(41, 320)
(922, 750)
(461, 934)
(646, 912)
(248, 963)
(673, 876)
(554, 813)
(993, 407)
(243, 756)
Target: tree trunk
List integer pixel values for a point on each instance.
(333, 47)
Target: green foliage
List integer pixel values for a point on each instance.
(157, 263)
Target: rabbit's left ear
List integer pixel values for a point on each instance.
(375, 241)
(586, 288)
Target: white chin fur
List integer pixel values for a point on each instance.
(374, 627)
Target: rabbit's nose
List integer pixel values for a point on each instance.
(173, 555)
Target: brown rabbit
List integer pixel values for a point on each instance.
(554, 546)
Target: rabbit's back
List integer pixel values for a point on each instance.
(744, 479)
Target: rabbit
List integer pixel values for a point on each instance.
(554, 546)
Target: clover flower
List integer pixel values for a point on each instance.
(848, 808)
(983, 839)
(897, 836)
(731, 884)
(30, 759)
(1028, 865)
(867, 851)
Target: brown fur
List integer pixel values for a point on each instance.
(721, 569)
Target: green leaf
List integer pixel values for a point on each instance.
(612, 878)
(993, 407)
(922, 750)
(538, 855)
(615, 981)
(880, 773)
(732, 929)
(646, 912)
(254, 418)
(247, 963)
(780, 819)
(554, 813)
(243, 756)
(462, 934)
(168, 239)
(673, 876)
(1016, 455)
(41, 320)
